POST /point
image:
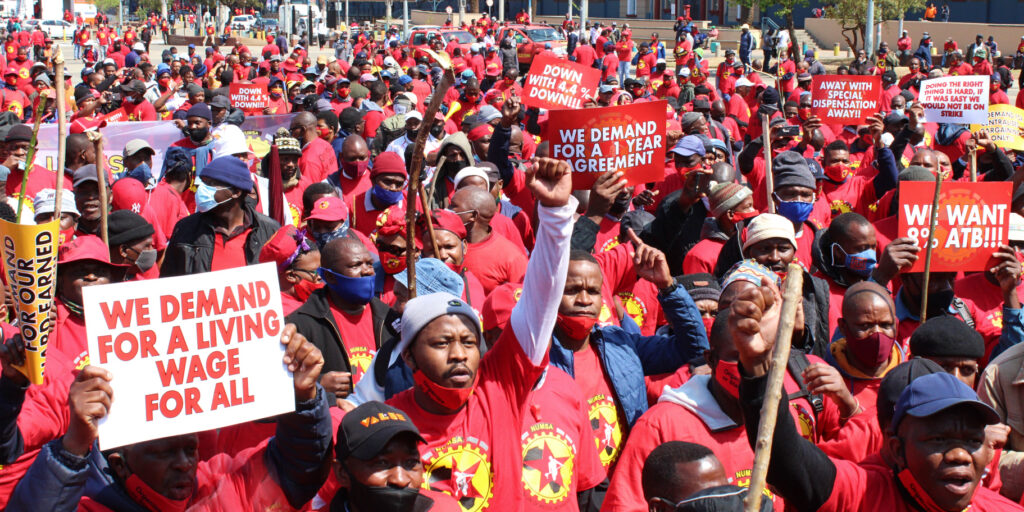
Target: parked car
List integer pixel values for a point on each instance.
(243, 22)
(530, 41)
(58, 29)
(270, 26)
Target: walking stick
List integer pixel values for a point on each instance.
(101, 182)
(62, 129)
(769, 178)
(928, 247)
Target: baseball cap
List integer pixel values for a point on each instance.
(220, 101)
(895, 381)
(134, 86)
(87, 247)
(135, 145)
(329, 208)
(937, 392)
(688, 146)
(367, 429)
(83, 174)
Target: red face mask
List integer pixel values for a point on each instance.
(576, 327)
(838, 172)
(727, 374)
(708, 322)
(742, 216)
(804, 113)
(324, 133)
(164, 82)
(356, 169)
(392, 264)
(684, 170)
(66, 235)
(873, 350)
(155, 502)
(449, 398)
(917, 493)
(304, 288)
(343, 92)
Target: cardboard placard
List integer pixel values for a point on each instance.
(955, 99)
(251, 98)
(30, 261)
(189, 353)
(1003, 127)
(974, 218)
(627, 138)
(554, 83)
(117, 116)
(845, 99)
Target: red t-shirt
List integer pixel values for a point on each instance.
(357, 334)
(703, 256)
(641, 304)
(363, 220)
(229, 252)
(143, 111)
(606, 421)
(496, 261)
(559, 457)
(473, 455)
(318, 160)
(856, 194)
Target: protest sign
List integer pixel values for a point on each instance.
(259, 132)
(30, 261)
(251, 98)
(845, 99)
(189, 353)
(955, 99)
(117, 116)
(627, 138)
(1003, 127)
(554, 83)
(973, 220)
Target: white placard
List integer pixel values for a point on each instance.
(955, 99)
(189, 353)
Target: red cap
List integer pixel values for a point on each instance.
(498, 305)
(447, 220)
(129, 194)
(480, 132)
(284, 247)
(492, 69)
(329, 208)
(86, 247)
(388, 162)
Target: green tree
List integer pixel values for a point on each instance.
(852, 17)
(782, 8)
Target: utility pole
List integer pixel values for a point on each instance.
(462, 11)
(869, 34)
(346, 16)
(405, 19)
(584, 13)
(501, 10)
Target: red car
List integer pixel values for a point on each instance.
(531, 39)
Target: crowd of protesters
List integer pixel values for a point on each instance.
(601, 349)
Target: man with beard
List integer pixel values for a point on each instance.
(225, 232)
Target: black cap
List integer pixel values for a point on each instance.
(125, 226)
(895, 381)
(790, 168)
(219, 101)
(946, 336)
(19, 133)
(365, 430)
(83, 93)
(702, 286)
(134, 86)
(889, 76)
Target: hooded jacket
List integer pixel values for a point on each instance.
(438, 190)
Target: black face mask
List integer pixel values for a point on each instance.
(620, 205)
(453, 168)
(939, 302)
(198, 135)
(437, 130)
(382, 499)
(412, 133)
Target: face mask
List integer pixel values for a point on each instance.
(736, 218)
(898, 111)
(708, 322)
(576, 327)
(804, 113)
(727, 374)
(324, 133)
(22, 58)
(388, 197)
(198, 135)
(411, 134)
(916, 492)
(449, 398)
(323, 238)
(873, 350)
(343, 92)
(796, 211)
(381, 499)
(146, 259)
(939, 302)
(391, 263)
(684, 170)
(355, 169)
(164, 82)
(861, 263)
(453, 168)
(837, 172)
(304, 288)
(472, 98)
(357, 290)
(149, 498)
(276, 93)
(67, 235)
(11, 80)
(437, 130)
(205, 200)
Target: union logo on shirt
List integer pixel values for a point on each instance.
(604, 421)
(359, 359)
(17, 108)
(548, 463)
(742, 479)
(838, 207)
(806, 422)
(610, 244)
(604, 317)
(461, 469)
(634, 307)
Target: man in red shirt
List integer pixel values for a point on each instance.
(388, 177)
(351, 177)
(492, 257)
(584, 54)
(624, 52)
(318, 157)
(469, 409)
(134, 102)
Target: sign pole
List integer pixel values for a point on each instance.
(62, 127)
(974, 165)
(928, 247)
(769, 179)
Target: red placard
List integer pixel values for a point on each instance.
(251, 98)
(554, 83)
(974, 218)
(627, 138)
(845, 99)
(117, 116)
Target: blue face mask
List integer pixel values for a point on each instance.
(861, 263)
(205, 200)
(796, 211)
(357, 290)
(323, 238)
(388, 197)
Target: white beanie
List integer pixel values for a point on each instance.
(424, 309)
(471, 171)
(769, 225)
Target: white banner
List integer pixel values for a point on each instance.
(955, 99)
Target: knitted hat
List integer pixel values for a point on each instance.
(725, 196)
(200, 110)
(790, 168)
(750, 271)
(287, 145)
(946, 336)
(124, 226)
(700, 286)
(230, 171)
(916, 173)
(768, 225)
(388, 162)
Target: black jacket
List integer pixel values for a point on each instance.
(190, 249)
(315, 321)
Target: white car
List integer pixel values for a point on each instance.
(243, 22)
(57, 29)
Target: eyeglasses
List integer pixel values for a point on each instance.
(313, 274)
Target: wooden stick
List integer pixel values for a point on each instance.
(974, 165)
(430, 221)
(792, 291)
(30, 158)
(62, 130)
(101, 183)
(415, 171)
(769, 178)
(928, 247)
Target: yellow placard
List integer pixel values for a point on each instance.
(1004, 123)
(30, 263)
